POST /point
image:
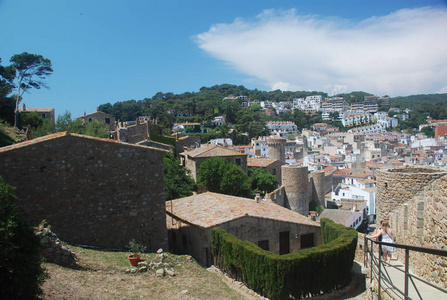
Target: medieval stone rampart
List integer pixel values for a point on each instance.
(416, 206)
(277, 148)
(318, 187)
(277, 196)
(399, 185)
(297, 187)
(92, 191)
(422, 222)
(135, 133)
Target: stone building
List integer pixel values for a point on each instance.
(192, 159)
(270, 226)
(135, 133)
(102, 117)
(414, 201)
(92, 191)
(44, 113)
(298, 189)
(273, 166)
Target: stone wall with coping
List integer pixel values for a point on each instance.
(397, 186)
(92, 191)
(421, 220)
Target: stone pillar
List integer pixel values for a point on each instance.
(296, 185)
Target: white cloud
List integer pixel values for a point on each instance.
(402, 53)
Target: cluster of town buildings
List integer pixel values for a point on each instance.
(322, 166)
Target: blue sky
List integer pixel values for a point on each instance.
(109, 51)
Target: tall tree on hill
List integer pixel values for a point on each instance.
(30, 71)
(6, 86)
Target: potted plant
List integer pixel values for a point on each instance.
(135, 249)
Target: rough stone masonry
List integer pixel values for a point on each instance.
(92, 191)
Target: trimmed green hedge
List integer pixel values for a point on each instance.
(305, 273)
(156, 136)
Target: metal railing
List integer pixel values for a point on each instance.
(378, 268)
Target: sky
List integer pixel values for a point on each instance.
(118, 50)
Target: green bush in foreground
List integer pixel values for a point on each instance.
(21, 273)
(305, 273)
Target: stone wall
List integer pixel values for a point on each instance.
(397, 186)
(136, 133)
(277, 196)
(92, 191)
(196, 240)
(422, 222)
(186, 142)
(297, 187)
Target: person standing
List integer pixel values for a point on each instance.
(387, 235)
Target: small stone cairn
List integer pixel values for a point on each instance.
(52, 248)
(159, 265)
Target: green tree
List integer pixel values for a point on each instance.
(7, 104)
(64, 122)
(21, 272)
(216, 174)
(30, 118)
(96, 128)
(47, 127)
(27, 68)
(262, 181)
(429, 132)
(178, 181)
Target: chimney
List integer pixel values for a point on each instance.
(258, 197)
(24, 107)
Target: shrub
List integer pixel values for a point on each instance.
(308, 272)
(135, 247)
(21, 273)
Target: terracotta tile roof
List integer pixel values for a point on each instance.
(64, 134)
(329, 169)
(211, 151)
(95, 113)
(211, 209)
(342, 172)
(261, 162)
(339, 216)
(43, 109)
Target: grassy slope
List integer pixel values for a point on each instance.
(9, 135)
(102, 276)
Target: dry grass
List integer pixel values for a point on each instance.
(102, 276)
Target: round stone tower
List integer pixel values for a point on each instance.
(397, 186)
(296, 184)
(277, 148)
(318, 179)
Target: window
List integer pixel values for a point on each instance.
(307, 240)
(238, 161)
(264, 244)
(89, 119)
(107, 121)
